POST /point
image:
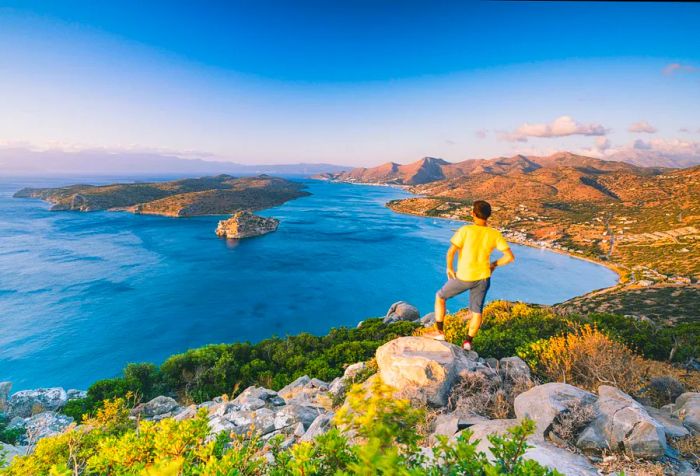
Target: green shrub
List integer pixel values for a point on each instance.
(386, 444)
(206, 372)
(9, 435)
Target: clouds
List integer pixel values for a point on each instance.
(560, 127)
(642, 127)
(673, 68)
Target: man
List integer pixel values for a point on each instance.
(474, 244)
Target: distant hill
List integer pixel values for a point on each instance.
(19, 161)
(430, 169)
(217, 195)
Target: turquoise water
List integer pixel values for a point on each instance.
(82, 294)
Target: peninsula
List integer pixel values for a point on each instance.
(218, 195)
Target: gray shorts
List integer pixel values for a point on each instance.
(477, 292)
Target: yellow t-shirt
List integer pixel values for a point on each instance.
(475, 245)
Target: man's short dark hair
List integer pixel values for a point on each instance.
(482, 209)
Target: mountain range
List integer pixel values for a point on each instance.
(21, 161)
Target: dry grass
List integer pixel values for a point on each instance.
(688, 448)
(567, 426)
(620, 464)
(490, 397)
(588, 358)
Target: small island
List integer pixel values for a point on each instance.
(244, 224)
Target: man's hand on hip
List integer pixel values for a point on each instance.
(451, 274)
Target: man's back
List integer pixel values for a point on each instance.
(475, 243)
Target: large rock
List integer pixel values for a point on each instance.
(26, 403)
(319, 426)
(514, 368)
(543, 452)
(622, 424)
(5, 388)
(687, 408)
(425, 367)
(244, 224)
(673, 427)
(45, 424)
(306, 391)
(544, 403)
(293, 414)
(402, 311)
(156, 407)
(11, 451)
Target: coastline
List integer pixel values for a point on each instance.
(615, 268)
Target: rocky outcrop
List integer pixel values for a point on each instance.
(544, 403)
(402, 311)
(44, 424)
(244, 224)
(622, 424)
(427, 367)
(11, 452)
(26, 403)
(687, 408)
(157, 408)
(543, 452)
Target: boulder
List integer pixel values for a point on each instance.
(687, 408)
(341, 384)
(622, 424)
(514, 368)
(305, 391)
(426, 367)
(218, 424)
(5, 388)
(544, 403)
(319, 426)
(263, 421)
(244, 224)
(428, 320)
(446, 424)
(25, 403)
(673, 427)
(10, 451)
(158, 406)
(45, 424)
(293, 413)
(543, 452)
(74, 394)
(402, 311)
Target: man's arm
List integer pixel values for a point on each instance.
(450, 262)
(507, 257)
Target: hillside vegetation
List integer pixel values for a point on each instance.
(219, 195)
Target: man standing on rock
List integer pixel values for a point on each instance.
(474, 244)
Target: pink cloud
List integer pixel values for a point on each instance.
(642, 127)
(481, 133)
(672, 68)
(560, 127)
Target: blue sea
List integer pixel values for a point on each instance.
(82, 294)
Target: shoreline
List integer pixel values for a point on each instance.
(615, 268)
(527, 243)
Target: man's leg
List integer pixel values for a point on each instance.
(474, 323)
(439, 309)
(451, 288)
(477, 296)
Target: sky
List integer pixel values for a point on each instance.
(352, 83)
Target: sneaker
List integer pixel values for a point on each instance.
(466, 345)
(434, 334)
